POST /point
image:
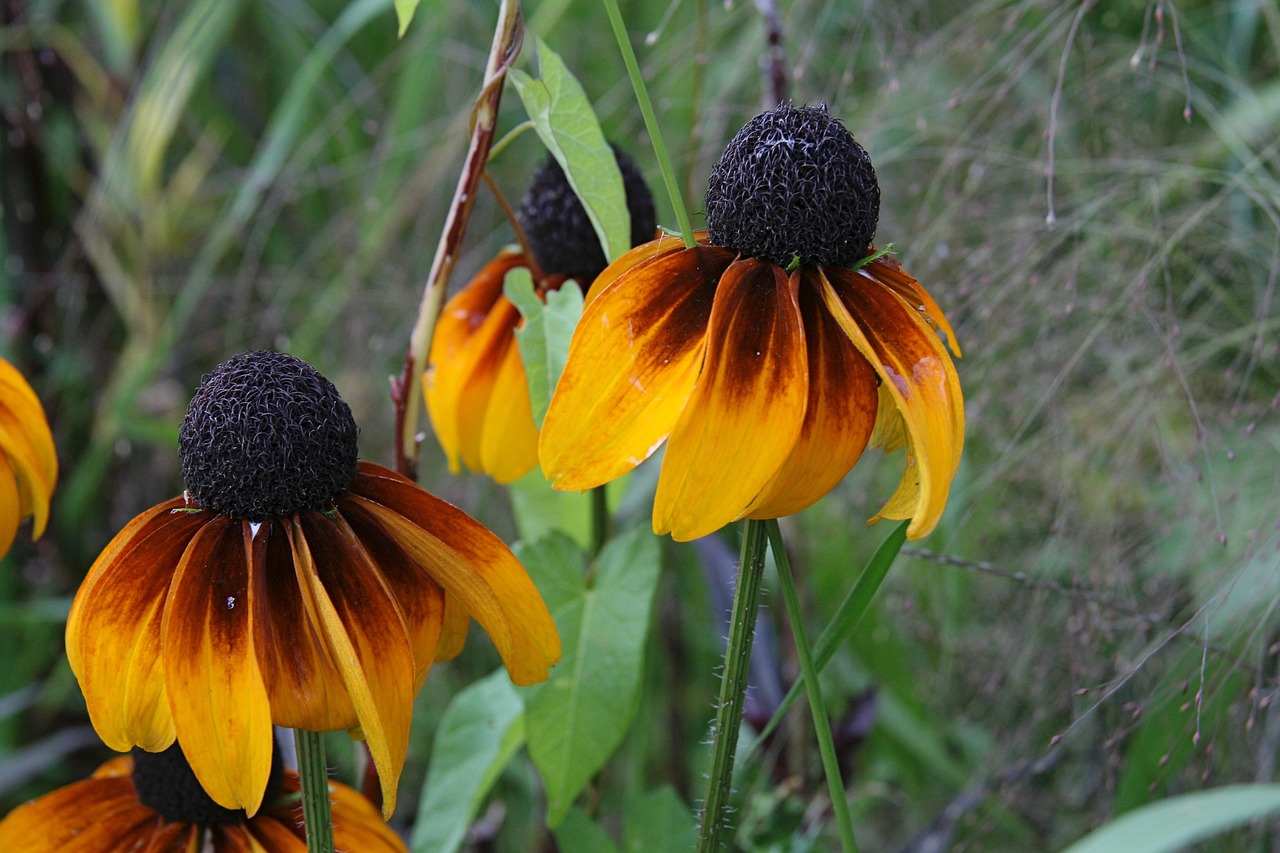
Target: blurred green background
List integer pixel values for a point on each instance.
(1090, 190)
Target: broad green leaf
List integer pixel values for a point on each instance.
(1178, 822)
(544, 337)
(577, 719)
(562, 115)
(479, 732)
(404, 14)
(577, 833)
(659, 820)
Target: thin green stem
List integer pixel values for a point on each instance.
(846, 619)
(599, 519)
(313, 772)
(650, 122)
(733, 687)
(809, 673)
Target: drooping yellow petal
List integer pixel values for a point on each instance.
(508, 437)
(888, 271)
(366, 636)
(745, 413)
(10, 505)
(635, 256)
(33, 455)
(917, 372)
(633, 362)
(838, 418)
(357, 826)
(453, 633)
(420, 599)
(221, 711)
(114, 630)
(304, 687)
(470, 563)
(467, 347)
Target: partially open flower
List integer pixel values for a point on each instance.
(768, 355)
(28, 464)
(476, 391)
(152, 802)
(290, 584)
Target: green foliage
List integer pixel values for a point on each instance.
(478, 734)
(1178, 822)
(562, 115)
(544, 337)
(578, 718)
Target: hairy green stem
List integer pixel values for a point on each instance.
(809, 674)
(733, 687)
(313, 772)
(650, 122)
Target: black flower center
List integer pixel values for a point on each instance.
(793, 183)
(266, 435)
(166, 784)
(558, 229)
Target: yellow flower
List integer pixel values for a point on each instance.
(152, 803)
(767, 356)
(28, 464)
(288, 585)
(476, 391)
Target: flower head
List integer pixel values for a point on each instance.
(476, 391)
(769, 355)
(153, 802)
(290, 584)
(28, 464)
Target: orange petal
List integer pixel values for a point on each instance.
(26, 441)
(470, 339)
(918, 374)
(633, 257)
(10, 505)
(273, 836)
(420, 599)
(303, 685)
(114, 630)
(221, 710)
(633, 362)
(509, 438)
(888, 271)
(357, 826)
(838, 418)
(744, 416)
(366, 635)
(453, 633)
(472, 565)
(89, 816)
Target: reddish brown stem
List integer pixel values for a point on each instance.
(407, 388)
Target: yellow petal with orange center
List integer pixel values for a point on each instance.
(633, 363)
(26, 441)
(838, 417)
(114, 630)
(221, 711)
(919, 376)
(453, 633)
(367, 639)
(303, 684)
(635, 256)
(10, 506)
(888, 271)
(745, 414)
(472, 335)
(470, 563)
(509, 438)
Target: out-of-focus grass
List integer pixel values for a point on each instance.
(1094, 624)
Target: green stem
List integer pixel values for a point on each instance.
(733, 687)
(599, 519)
(313, 772)
(809, 673)
(650, 122)
(846, 619)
